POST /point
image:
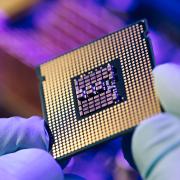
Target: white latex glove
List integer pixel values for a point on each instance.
(23, 146)
(156, 141)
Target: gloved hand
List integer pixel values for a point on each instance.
(23, 146)
(156, 141)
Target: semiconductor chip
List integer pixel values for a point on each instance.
(99, 91)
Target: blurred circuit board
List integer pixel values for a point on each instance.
(99, 91)
(62, 26)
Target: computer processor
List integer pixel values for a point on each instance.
(98, 91)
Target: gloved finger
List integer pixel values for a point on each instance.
(19, 133)
(167, 85)
(29, 164)
(156, 147)
(155, 140)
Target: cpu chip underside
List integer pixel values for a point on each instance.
(98, 91)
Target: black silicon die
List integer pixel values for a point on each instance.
(98, 89)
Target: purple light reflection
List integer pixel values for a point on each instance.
(162, 47)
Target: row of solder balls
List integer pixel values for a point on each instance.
(129, 35)
(129, 56)
(127, 77)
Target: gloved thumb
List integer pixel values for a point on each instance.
(167, 85)
(156, 141)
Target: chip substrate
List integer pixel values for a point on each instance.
(98, 91)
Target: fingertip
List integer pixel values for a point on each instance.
(33, 130)
(32, 164)
(152, 137)
(40, 118)
(167, 85)
(46, 165)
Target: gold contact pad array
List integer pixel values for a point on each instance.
(70, 134)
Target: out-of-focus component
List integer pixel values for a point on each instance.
(14, 8)
(64, 26)
(3, 19)
(18, 87)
